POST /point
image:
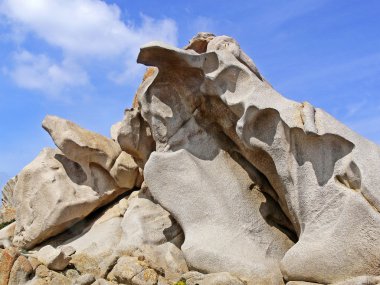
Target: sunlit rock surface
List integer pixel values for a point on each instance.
(212, 177)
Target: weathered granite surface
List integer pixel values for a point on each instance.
(212, 177)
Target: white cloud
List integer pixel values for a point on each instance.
(38, 72)
(83, 30)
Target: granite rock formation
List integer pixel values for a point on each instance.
(211, 178)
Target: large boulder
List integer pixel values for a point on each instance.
(322, 175)
(229, 224)
(211, 171)
(54, 192)
(59, 189)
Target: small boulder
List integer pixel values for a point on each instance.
(53, 258)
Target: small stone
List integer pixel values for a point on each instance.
(145, 277)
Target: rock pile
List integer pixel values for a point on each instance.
(211, 178)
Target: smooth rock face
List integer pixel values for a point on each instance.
(72, 192)
(222, 218)
(323, 176)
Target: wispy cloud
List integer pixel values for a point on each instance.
(39, 72)
(82, 30)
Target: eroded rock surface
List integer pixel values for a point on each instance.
(323, 175)
(72, 192)
(80, 145)
(212, 177)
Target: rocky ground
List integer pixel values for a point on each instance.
(211, 178)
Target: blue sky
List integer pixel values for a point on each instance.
(76, 58)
